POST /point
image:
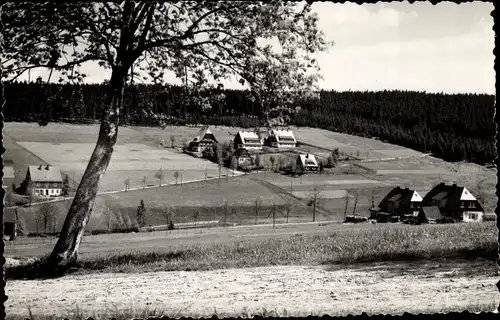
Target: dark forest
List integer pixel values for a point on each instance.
(452, 127)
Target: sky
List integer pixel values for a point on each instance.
(446, 48)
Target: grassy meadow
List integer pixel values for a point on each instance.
(343, 246)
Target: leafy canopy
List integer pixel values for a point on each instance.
(198, 41)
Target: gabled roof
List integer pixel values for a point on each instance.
(201, 134)
(432, 212)
(280, 133)
(467, 196)
(247, 136)
(400, 194)
(241, 153)
(416, 197)
(308, 157)
(45, 173)
(442, 191)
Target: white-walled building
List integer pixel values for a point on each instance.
(46, 180)
(247, 140)
(281, 139)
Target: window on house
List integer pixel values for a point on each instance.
(473, 205)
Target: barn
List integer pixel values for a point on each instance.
(454, 202)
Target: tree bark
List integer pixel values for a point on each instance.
(65, 252)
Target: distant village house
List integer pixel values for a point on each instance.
(243, 157)
(397, 205)
(46, 180)
(307, 162)
(204, 139)
(281, 139)
(247, 140)
(453, 202)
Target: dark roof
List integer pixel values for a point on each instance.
(396, 194)
(10, 215)
(432, 212)
(241, 152)
(441, 191)
(441, 195)
(396, 197)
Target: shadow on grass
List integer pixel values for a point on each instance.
(464, 258)
(40, 269)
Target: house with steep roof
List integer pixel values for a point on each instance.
(454, 202)
(397, 205)
(247, 140)
(203, 140)
(243, 157)
(281, 139)
(45, 180)
(307, 162)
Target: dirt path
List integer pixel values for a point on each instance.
(301, 290)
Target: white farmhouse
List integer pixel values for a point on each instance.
(247, 140)
(46, 180)
(281, 139)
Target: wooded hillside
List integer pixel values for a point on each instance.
(452, 127)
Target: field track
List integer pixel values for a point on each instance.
(393, 288)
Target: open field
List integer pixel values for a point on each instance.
(420, 172)
(208, 198)
(276, 270)
(391, 288)
(132, 161)
(253, 246)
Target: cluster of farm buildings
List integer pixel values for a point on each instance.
(444, 203)
(245, 143)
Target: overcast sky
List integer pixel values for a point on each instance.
(434, 48)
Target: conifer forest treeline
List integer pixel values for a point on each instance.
(452, 127)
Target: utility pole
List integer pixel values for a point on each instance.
(274, 215)
(346, 203)
(355, 202)
(291, 185)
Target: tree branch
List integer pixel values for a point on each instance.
(66, 66)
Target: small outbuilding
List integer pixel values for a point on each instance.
(243, 157)
(307, 162)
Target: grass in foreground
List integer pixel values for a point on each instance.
(175, 314)
(386, 243)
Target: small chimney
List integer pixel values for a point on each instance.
(407, 189)
(47, 167)
(454, 185)
(40, 167)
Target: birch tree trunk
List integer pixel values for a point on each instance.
(65, 252)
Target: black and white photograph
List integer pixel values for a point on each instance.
(245, 158)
